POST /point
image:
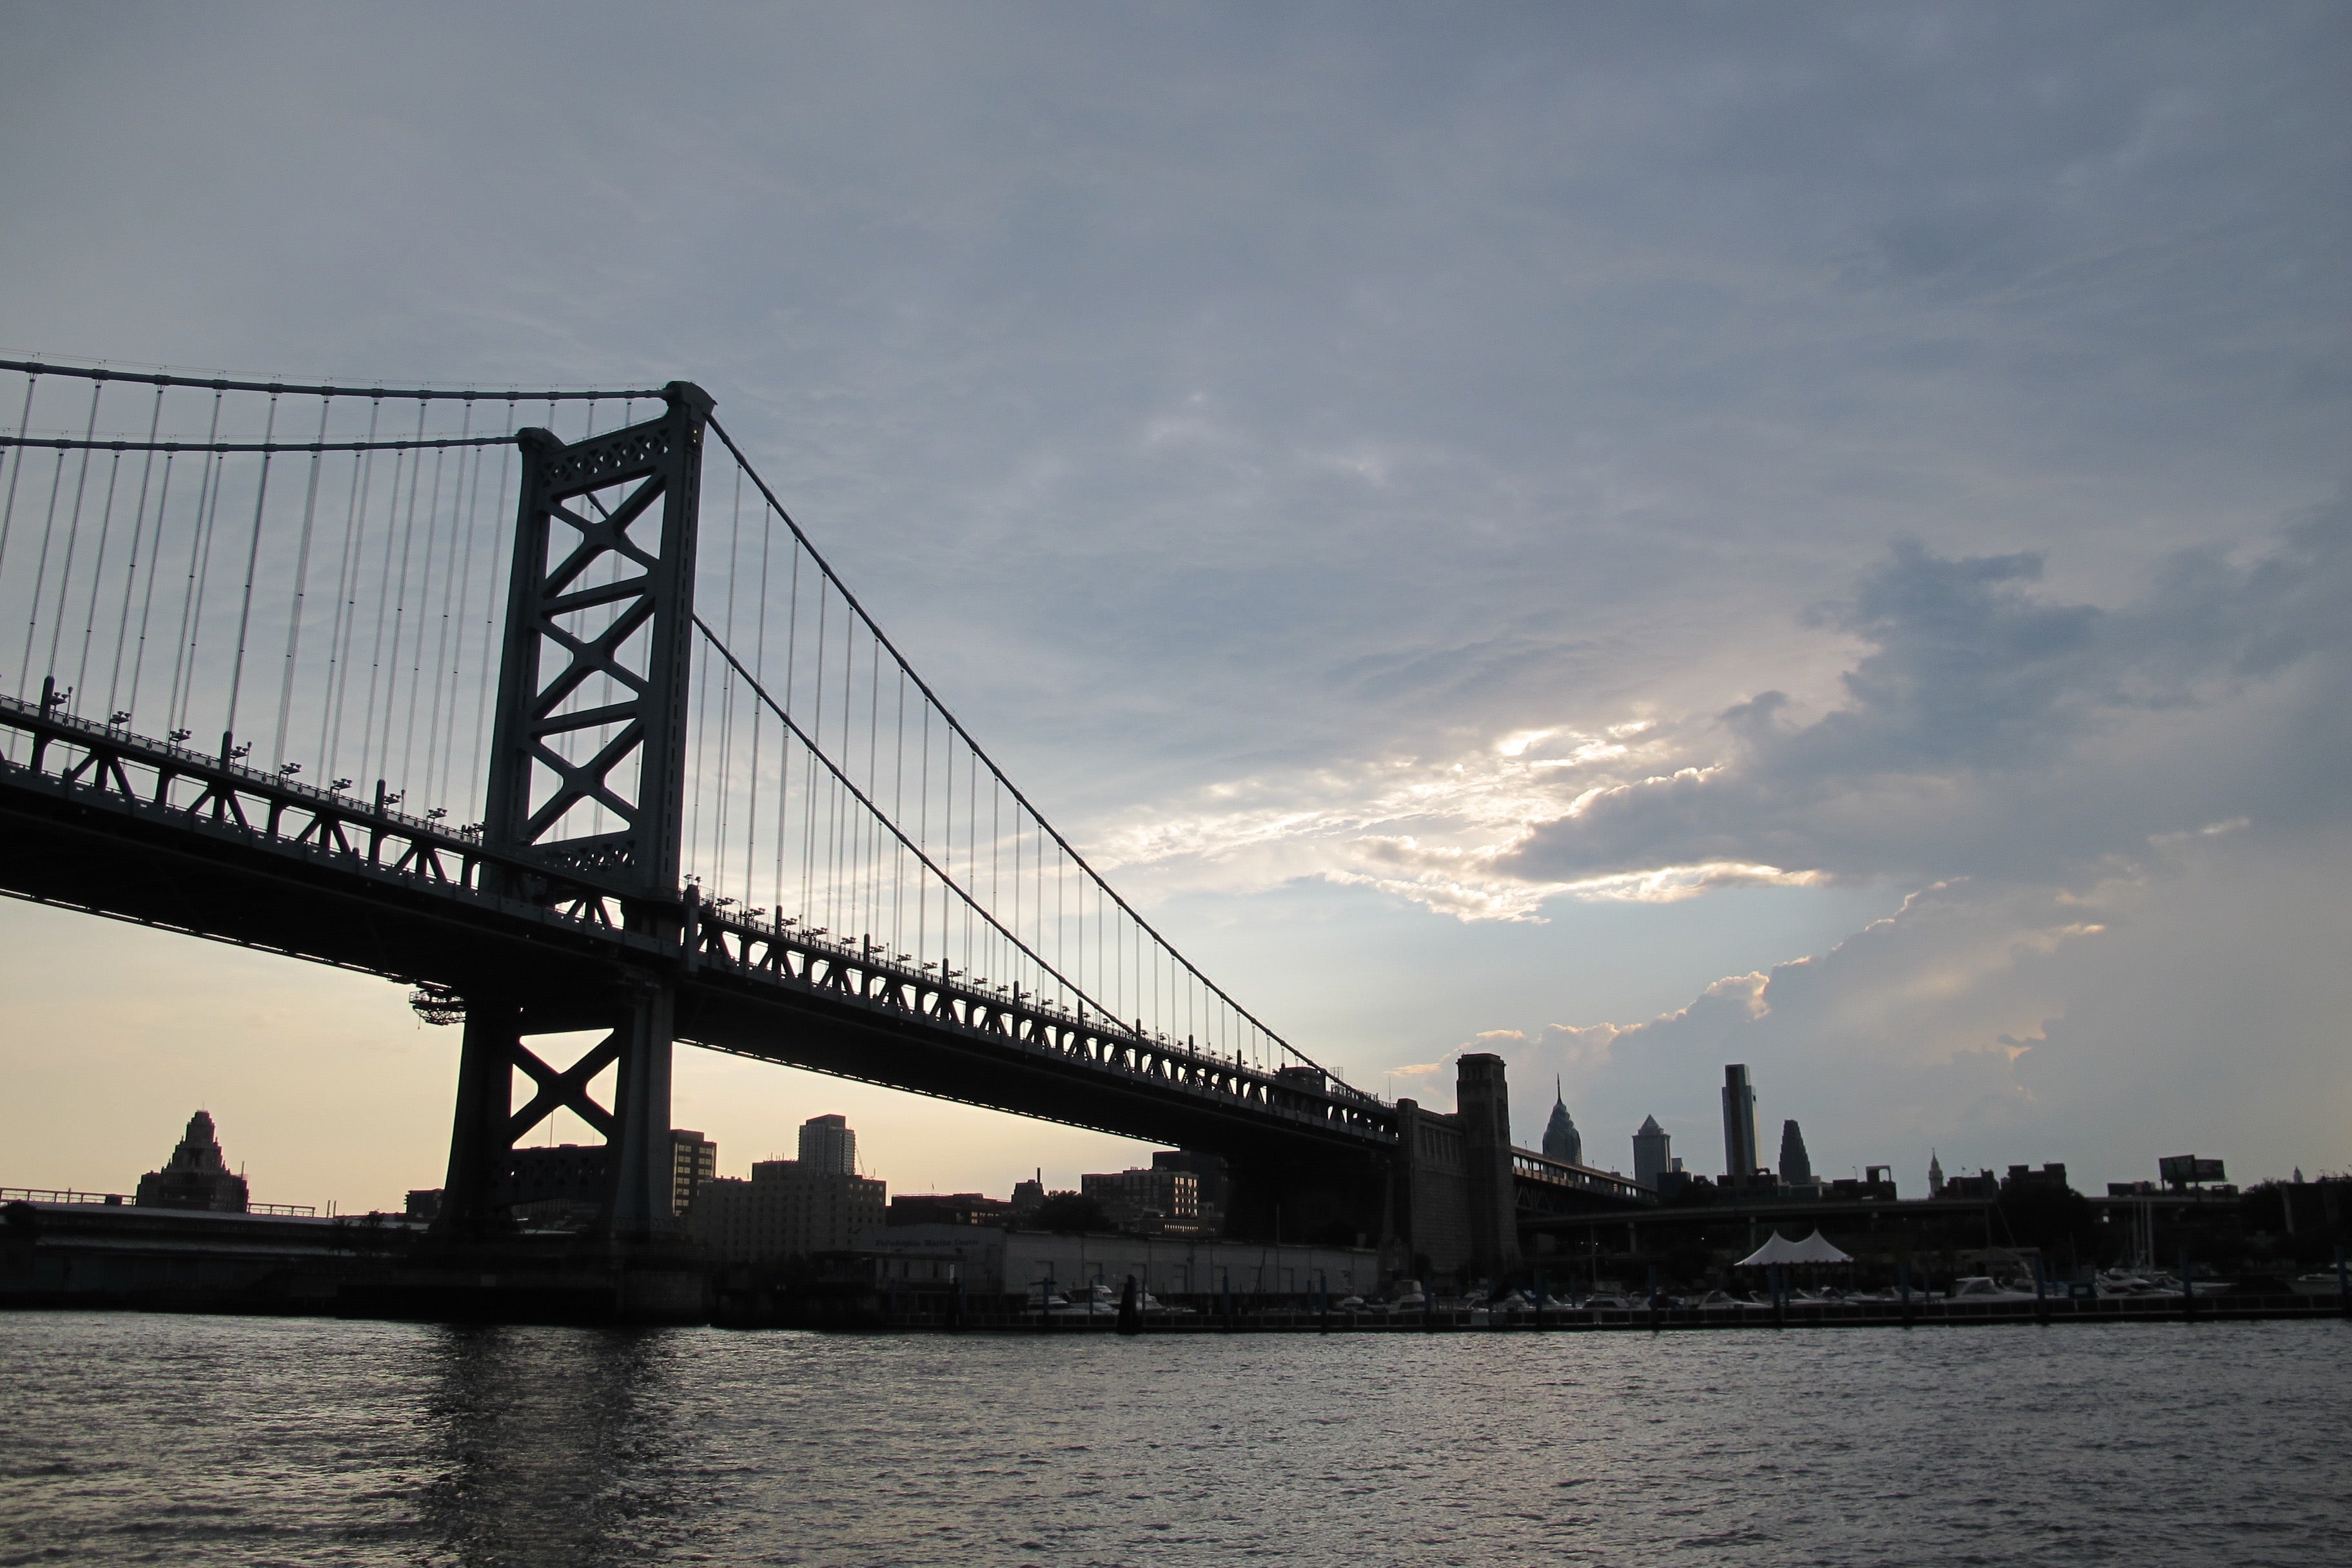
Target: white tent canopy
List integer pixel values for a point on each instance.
(1814, 1248)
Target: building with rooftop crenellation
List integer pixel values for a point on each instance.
(195, 1176)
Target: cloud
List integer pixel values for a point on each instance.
(1987, 729)
(1990, 729)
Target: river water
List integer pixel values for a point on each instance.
(130, 1439)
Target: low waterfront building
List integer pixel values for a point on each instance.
(948, 1208)
(992, 1261)
(195, 1176)
(787, 1209)
(558, 1186)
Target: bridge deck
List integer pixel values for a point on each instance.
(119, 825)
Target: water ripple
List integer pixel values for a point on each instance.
(202, 1440)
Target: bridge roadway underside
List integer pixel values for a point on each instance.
(60, 847)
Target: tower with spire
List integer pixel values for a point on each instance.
(1935, 1175)
(1561, 1140)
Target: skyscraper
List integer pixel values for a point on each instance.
(1796, 1165)
(1561, 1140)
(827, 1144)
(1654, 1152)
(1738, 1123)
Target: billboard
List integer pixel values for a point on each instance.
(2185, 1170)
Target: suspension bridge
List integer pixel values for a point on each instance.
(541, 704)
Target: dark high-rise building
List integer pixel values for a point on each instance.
(1561, 1140)
(1029, 1196)
(1796, 1166)
(195, 1176)
(1738, 1123)
(1209, 1168)
(827, 1144)
(693, 1159)
(1654, 1152)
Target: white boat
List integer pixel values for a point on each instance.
(2326, 1283)
(1095, 1300)
(1408, 1298)
(1725, 1301)
(1980, 1289)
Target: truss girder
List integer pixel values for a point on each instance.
(188, 787)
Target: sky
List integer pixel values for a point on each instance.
(1630, 538)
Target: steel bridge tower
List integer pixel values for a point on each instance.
(600, 603)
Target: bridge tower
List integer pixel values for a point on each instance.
(586, 782)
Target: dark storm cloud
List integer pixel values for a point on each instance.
(1993, 728)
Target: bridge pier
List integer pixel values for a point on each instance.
(485, 1128)
(480, 1145)
(638, 1157)
(1456, 1203)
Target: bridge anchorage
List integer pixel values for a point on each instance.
(663, 779)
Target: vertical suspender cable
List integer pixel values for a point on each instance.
(759, 662)
(97, 574)
(301, 588)
(147, 600)
(424, 610)
(48, 532)
(483, 455)
(452, 582)
(16, 468)
(785, 743)
(476, 776)
(347, 604)
(130, 582)
(208, 521)
(252, 559)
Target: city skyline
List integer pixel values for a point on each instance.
(1590, 539)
